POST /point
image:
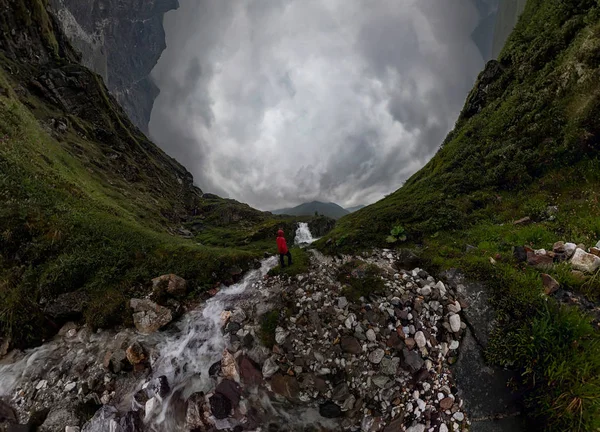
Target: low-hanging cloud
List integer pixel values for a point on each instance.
(277, 102)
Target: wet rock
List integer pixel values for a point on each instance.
(135, 353)
(269, 368)
(157, 387)
(148, 316)
(585, 262)
(330, 409)
(231, 390)
(550, 284)
(72, 429)
(129, 422)
(170, 284)
(116, 361)
(229, 366)
(59, 418)
(350, 345)
(280, 335)
(249, 372)
(238, 316)
(214, 369)
(412, 359)
(376, 356)
(285, 385)
(220, 406)
(194, 413)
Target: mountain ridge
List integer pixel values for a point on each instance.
(329, 209)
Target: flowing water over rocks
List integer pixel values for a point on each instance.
(303, 235)
(380, 362)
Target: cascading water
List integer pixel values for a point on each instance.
(303, 235)
(183, 354)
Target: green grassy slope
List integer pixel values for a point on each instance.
(87, 203)
(527, 138)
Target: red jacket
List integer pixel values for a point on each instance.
(281, 244)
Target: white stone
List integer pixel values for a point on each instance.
(441, 287)
(342, 302)
(420, 339)
(269, 368)
(416, 428)
(371, 335)
(350, 321)
(459, 416)
(455, 323)
(454, 345)
(585, 262)
(443, 428)
(72, 429)
(454, 307)
(426, 291)
(570, 249)
(70, 386)
(598, 244)
(280, 335)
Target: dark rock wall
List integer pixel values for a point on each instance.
(121, 41)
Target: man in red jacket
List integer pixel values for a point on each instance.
(283, 249)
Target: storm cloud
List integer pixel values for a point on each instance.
(278, 102)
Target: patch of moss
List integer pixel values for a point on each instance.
(268, 324)
(300, 264)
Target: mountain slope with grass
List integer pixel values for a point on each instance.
(91, 210)
(526, 144)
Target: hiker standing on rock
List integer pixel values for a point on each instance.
(283, 249)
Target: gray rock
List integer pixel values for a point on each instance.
(269, 368)
(342, 302)
(148, 316)
(340, 392)
(170, 284)
(371, 336)
(376, 356)
(585, 262)
(412, 359)
(59, 418)
(389, 366)
(420, 339)
(380, 381)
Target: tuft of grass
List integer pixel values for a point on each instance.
(268, 324)
(300, 264)
(360, 279)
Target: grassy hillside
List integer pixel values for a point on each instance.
(88, 204)
(528, 138)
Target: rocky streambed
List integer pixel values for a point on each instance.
(338, 361)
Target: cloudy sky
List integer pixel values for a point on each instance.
(279, 102)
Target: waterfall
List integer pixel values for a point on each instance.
(303, 235)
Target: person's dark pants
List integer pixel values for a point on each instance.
(289, 255)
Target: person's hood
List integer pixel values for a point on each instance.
(280, 233)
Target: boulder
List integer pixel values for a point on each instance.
(231, 390)
(249, 371)
(68, 306)
(595, 251)
(135, 353)
(550, 284)
(157, 387)
(170, 284)
(229, 366)
(59, 418)
(194, 414)
(220, 406)
(585, 262)
(148, 316)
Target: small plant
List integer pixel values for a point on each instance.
(397, 234)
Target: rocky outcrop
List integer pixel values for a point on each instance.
(121, 41)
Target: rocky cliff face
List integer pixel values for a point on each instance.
(121, 41)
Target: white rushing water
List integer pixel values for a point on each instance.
(303, 235)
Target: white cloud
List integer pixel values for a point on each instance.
(279, 102)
